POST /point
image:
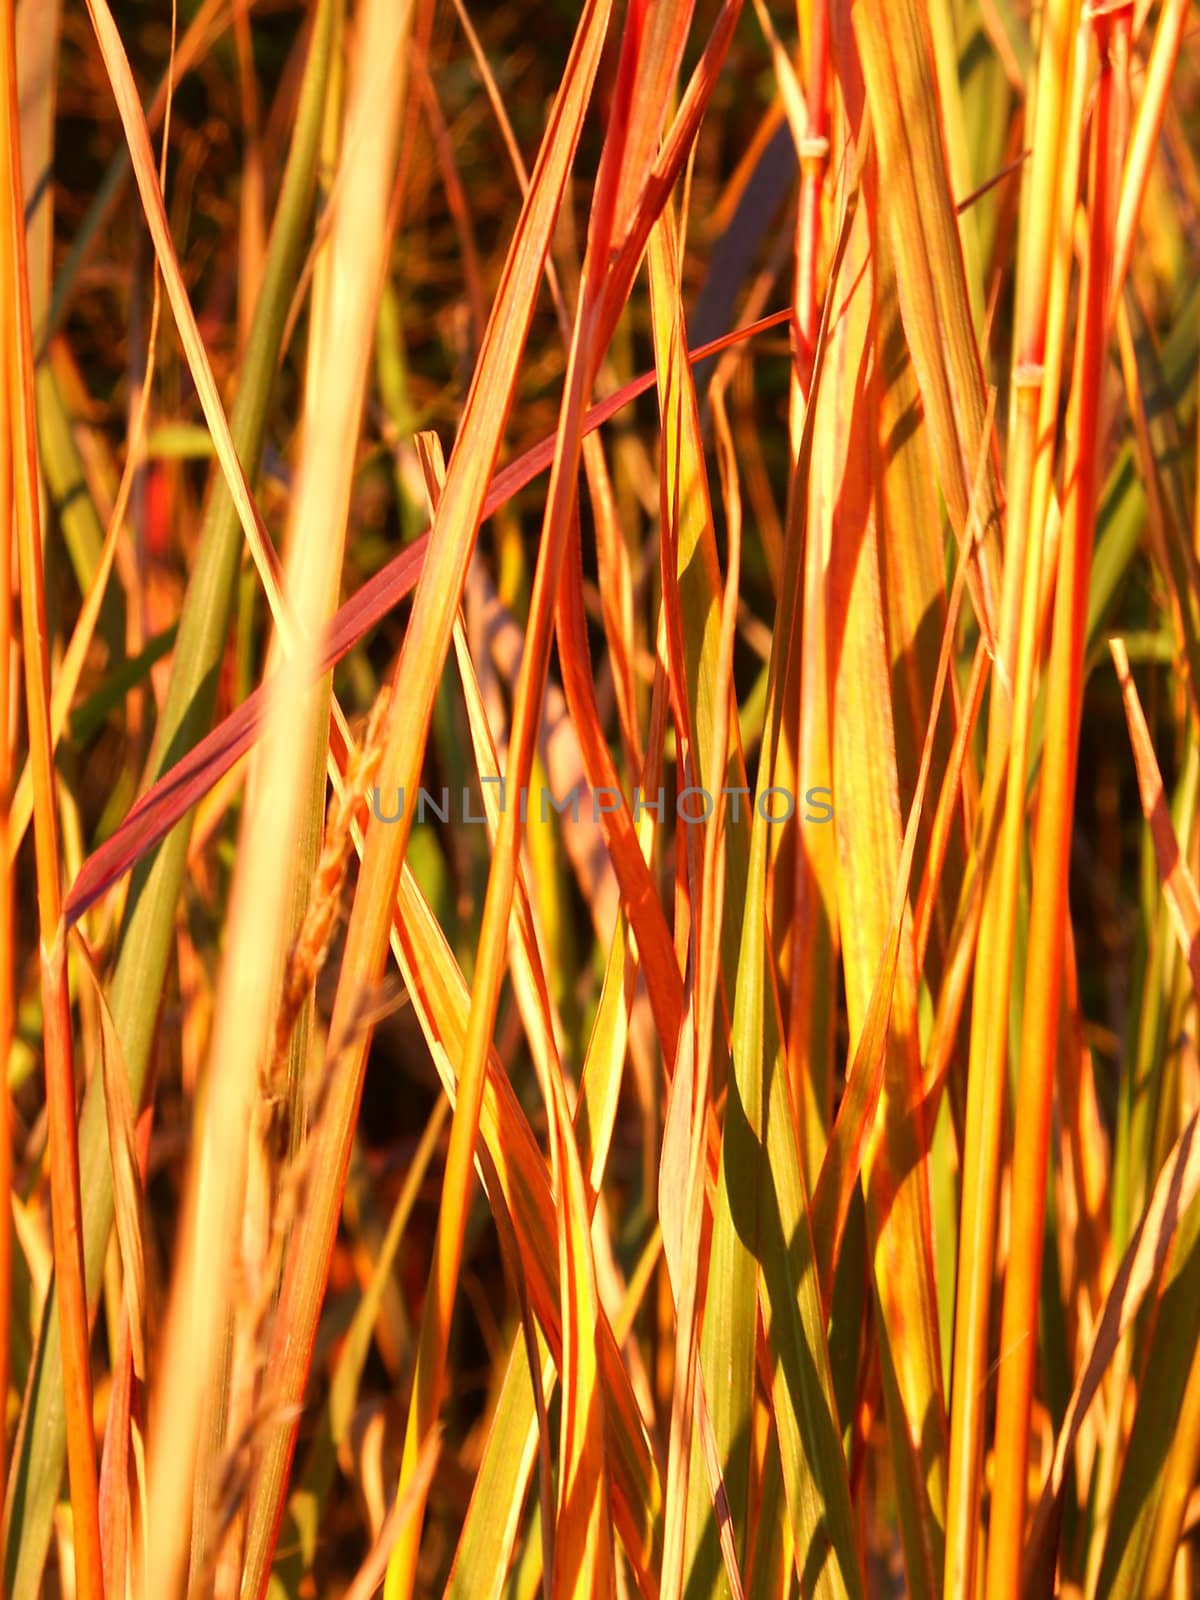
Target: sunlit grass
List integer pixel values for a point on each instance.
(598, 923)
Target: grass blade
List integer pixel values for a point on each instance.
(137, 982)
(57, 1033)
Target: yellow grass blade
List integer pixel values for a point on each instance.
(263, 889)
(692, 615)
(762, 1249)
(843, 1157)
(683, 1173)
(1144, 137)
(866, 802)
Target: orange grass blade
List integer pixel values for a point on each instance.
(39, 29)
(814, 159)
(584, 1559)
(665, 33)
(653, 187)
(638, 893)
(56, 1004)
(1044, 972)
(1180, 1472)
(7, 878)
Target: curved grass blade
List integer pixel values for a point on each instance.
(206, 760)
